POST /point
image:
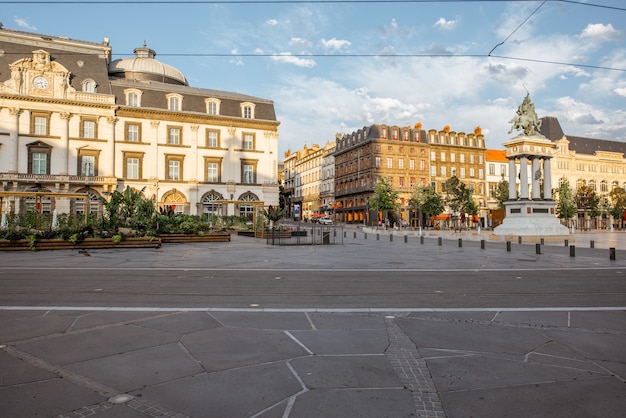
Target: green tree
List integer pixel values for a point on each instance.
(426, 201)
(502, 192)
(459, 197)
(385, 198)
(618, 204)
(565, 206)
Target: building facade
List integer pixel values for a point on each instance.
(74, 120)
(363, 157)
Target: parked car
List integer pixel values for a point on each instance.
(325, 221)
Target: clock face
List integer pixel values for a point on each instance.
(40, 82)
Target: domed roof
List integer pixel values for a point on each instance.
(143, 66)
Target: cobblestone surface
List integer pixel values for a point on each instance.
(413, 372)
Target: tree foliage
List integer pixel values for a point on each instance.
(502, 192)
(618, 202)
(426, 201)
(586, 199)
(565, 205)
(385, 197)
(459, 196)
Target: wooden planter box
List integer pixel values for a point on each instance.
(182, 238)
(272, 234)
(88, 243)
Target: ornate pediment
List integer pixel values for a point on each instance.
(38, 76)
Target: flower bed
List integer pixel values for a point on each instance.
(87, 243)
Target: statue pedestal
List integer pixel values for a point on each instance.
(530, 218)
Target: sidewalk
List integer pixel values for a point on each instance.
(142, 362)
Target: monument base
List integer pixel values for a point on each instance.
(530, 218)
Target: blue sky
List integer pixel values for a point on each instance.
(322, 63)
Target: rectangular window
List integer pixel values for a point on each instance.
(471, 158)
(132, 132)
(401, 163)
(174, 136)
(132, 168)
(480, 173)
(443, 172)
(377, 162)
(212, 139)
(471, 172)
(89, 129)
(247, 112)
(433, 170)
(462, 172)
(443, 156)
(248, 174)
(389, 162)
(173, 170)
(212, 108)
(422, 165)
(248, 141)
(452, 157)
(462, 158)
(174, 104)
(88, 166)
(503, 169)
(401, 181)
(133, 99)
(492, 169)
(411, 164)
(212, 172)
(433, 156)
(412, 182)
(40, 163)
(41, 125)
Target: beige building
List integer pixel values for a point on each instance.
(74, 120)
(461, 155)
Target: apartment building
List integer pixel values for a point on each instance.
(72, 120)
(363, 157)
(462, 155)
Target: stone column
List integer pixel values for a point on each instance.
(110, 171)
(536, 188)
(512, 179)
(65, 140)
(523, 177)
(154, 124)
(547, 179)
(13, 145)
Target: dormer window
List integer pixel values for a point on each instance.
(212, 106)
(247, 110)
(174, 102)
(133, 98)
(89, 86)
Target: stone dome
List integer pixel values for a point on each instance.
(143, 66)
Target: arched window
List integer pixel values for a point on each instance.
(209, 204)
(247, 210)
(89, 86)
(174, 201)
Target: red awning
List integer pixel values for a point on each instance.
(442, 217)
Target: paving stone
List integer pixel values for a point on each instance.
(344, 341)
(264, 320)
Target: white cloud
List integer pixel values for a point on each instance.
(271, 22)
(335, 44)
(601, 33)
(620, 91)
(300, 42)
(288, 58)
(444, 24)
(23, 23)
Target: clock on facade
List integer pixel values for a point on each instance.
(40, 82)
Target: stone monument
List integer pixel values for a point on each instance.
(532, 213)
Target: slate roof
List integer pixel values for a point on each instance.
(551, 129)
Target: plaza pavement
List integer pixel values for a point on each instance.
(267, 363)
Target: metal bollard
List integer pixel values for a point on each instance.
(537, 248)
(390, 237)
(612, 254)
(482, 244)
(377, 237)
(406, 239)
(592, 244)
(421, 239)
(566, 242)
(572, 251)
(365, 235)
(508, 246)
(344, 234)
(440, 241)
(460, 242)
(519, 240)
(355, 235)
